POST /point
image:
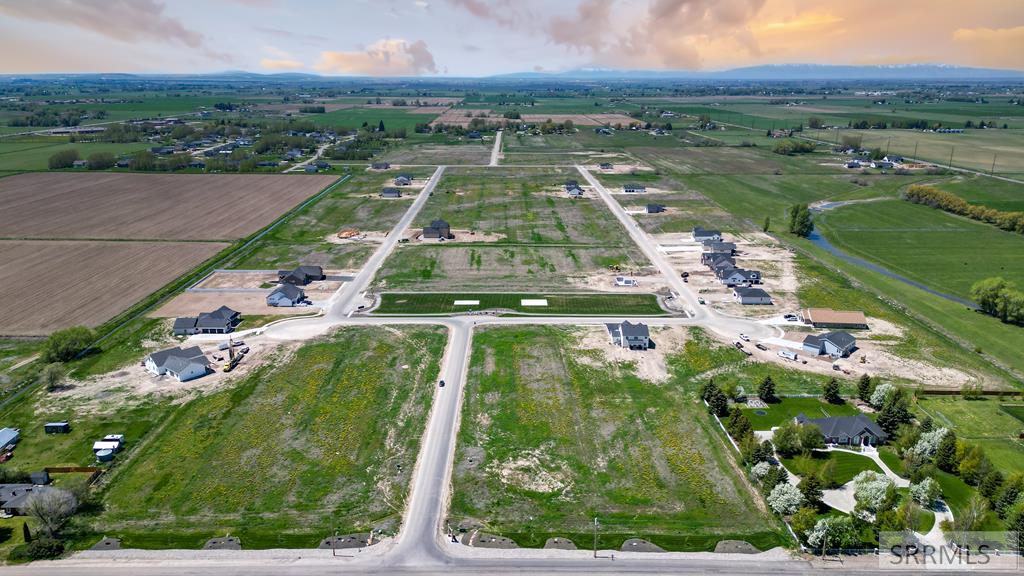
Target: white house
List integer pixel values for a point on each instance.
(286, 295)
(623, 281)
(634, 188)
(183, 364)
(700, 235)
(748, 296)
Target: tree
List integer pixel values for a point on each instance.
(380, 127)
(52, 376)
(787, 439)
(833, 531)
(803, 520)
(810, 438)
(707, 390)
(871, 490)
(865, 387)
(925, 492)
(1012, 490)
(44, 548)
(927, 425)
(718, 404)
(831, 392)
(880, 394)
(143, 161)
(101, 161)
(776, 475)
(1015, 522)
(66, 344)
(52, 508)
(785, 499)
(800, 222)
(739, 425)
(974, 465)
(895, 411)
(810, 487)
(766, 390)
(945, 453)
(990, 485)
(928, 443)
(26, 534)
(759, 470)
(63, 159)
(767, 224)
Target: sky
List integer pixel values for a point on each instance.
(484, 37)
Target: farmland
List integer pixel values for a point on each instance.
(81, 282)
(34, 153)
(339, 457)
(147, 206)
(535, 422)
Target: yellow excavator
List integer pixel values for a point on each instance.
(233, 358)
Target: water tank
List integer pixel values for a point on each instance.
(104, 455)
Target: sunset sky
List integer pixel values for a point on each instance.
(483, 37)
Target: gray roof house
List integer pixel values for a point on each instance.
(14, 497)
(570, 184)
(655, 208)
(856, 430)
(627, 335)
(634, 188)
(438, 229)
(700, 234)
(738, 276)
(709, 258)
(835, 344)
(183, 364)
(9, 437)
(286, 296)
(722, 263)
(576, 192)
(749, 296)
(390, 193)
(220, 321)
(718, 246)
(606, 166)
(403, 180)
(300, 276)
(380, 166)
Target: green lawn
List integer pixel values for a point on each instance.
(558, 304)
(539, 411)
(1015, 410)
(351, 118)
(891, 459)
(35, 154)
(847, 465)
(982, 418)
(325, 439)
(788, 408)
(991, 192)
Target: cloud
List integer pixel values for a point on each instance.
(584, 30)
(281, 64)
(288, 35)
(993, 46)
(470, 48)
(503, 12)
(382, 58)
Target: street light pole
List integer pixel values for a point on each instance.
(595, 537)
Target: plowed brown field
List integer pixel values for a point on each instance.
(48, 285)
(148, 206)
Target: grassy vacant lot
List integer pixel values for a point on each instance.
(847, 465)
(325, 439)
(351, 118)
(553, 436)
(998, 194)
(33, 153)
(944, 251)
(974, 149)
(788, 408)
(988, 422)
(558, 304)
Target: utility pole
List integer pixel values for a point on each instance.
(915, 149)
(887, 144)
(993, 171)
(951, 150)
(595, 537)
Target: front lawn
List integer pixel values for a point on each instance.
(847, 465)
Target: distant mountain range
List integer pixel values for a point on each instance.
(788, 72)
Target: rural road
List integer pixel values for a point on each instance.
(496, 151)
(313, 158)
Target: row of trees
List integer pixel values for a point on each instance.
(67, 158)
(1000, 298)
(789, 146)
(800, 221)
(949, 202)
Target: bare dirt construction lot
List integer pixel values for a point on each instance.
(648, 364)
(255, 303)
(461, 116)
(75, 282)
(581, 119)
(238, 279)
(148, 206)
(629, 168)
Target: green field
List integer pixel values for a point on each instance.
(991, 192)
(943, 251)
(787, 409)
(34, 153)
(974, 149)
(581, 304)
(847, 465)
(553, 436)
(352, 118)
(325, 439)
(987, 422)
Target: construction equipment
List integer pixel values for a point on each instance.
(233, 359)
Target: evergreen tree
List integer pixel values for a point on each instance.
(865, 387)
(718, 404)
(26, 533)
(810, 487)
(380, 127)
(767, 224)
(739, 425)
(990, 485)
(831, 392)
(895, 411)
(945, 454)
(766, 390)
(707, 389)
(927, 425)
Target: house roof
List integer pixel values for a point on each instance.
(177, 359)
(744, 292)
(289, 291)
(638, 330)
(220, 317)
(839, 339)
(635, 186)
(439, 224)
(8, 435)
(844, 426)
(391, 191)
(700, 231)
(185, 323)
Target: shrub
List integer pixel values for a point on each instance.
(44, 548)
(64, 345)
(871, 490)
(101, 161)
(759, 470)
(785, 499)
(925, 492)
(63, 159)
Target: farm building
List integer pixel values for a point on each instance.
(438, 229)
(380, 166)
(183, 364)
(655, 208)
(300, 276)
(749, 296)
(828, 318)
(9, 437)
(286, 296)
(834, 344)
(627, 335)
(56, 427)
(403, 180)
(700, 235)
(634, 188)
(856, 430)
(220, 321)
(390, 193)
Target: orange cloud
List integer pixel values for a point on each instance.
(993, 46)
(281, 64)
(382, 58)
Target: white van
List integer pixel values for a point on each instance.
(788, 355)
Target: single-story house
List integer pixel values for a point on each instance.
(438, 229)
(700, 235)
(403, 180)
(853, 164)
(627, 335)
(835, 344)
(856, 430)
(220, 321)
(894, 159)
(655, 208)
(883, 164)
(9, 437)
(183, 364)
(576, 193)
(380, 166)
(474, 135)
(286, 296)
(323, 164)
(570, 184)
(79, 164)
(709, 258)
(301, 276)
(57, 427)
(719, 264)
(748, 296)
(390, 193)
(717, 246)
(738, 276)
(14, 497)
(828, 318)
(310, 168)
(606, 166)
(634, 188)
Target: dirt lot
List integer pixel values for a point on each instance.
(364, 237)
(192, 303)
(75, 282)
(148, 206)
(238, 279)
(618, 168)
(461, 116)
(650, 364)
(581, 119)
